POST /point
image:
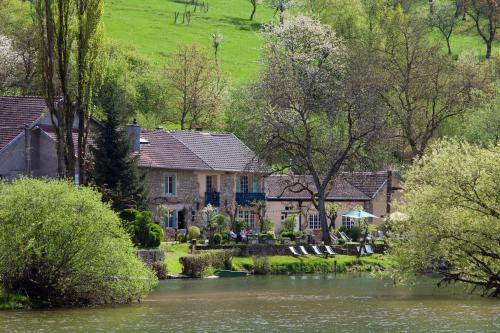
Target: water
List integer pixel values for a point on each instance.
(342, 303)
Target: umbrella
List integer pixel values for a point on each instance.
(358, 214)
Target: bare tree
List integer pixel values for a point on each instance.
(254, 8)
(486, 17)
(198, 85)
(443, 17)
(318, 109)
(424, 89)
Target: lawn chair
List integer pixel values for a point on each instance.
(316, 250)
(329, 250)
(333, 237)
(303, 249)
(361, 250)
(294, 252)
(344, 236)
(369, 249)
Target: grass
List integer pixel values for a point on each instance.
(173, 251)
(9, 301)
(314, 264)
(148, 26)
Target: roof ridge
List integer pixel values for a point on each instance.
(195, 154)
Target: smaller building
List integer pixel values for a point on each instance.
(375, 192)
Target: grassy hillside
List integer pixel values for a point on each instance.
(148, 26)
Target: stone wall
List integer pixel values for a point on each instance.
(151, 256)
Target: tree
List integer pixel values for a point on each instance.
(254, 4)
(332, 211)
(317, 108)
(443, 17)
(280, 6)
(424, 88)
(260, 210)
(452, 199)
(486, 17)
(198, 86)
(9, 64)
(115, 169)
(216, 39)
(69, 33)
(63, 246)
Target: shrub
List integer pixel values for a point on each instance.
(289, 224)
(194, 232)
(217, 239)
(261, 265)
(354, 232)
(160, 269)
(239, 224)
(198, 265)
(63, 246)
(145, 232)
(288, 234)
(181, 238)
(267, 225)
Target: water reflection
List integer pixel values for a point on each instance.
(309, 303)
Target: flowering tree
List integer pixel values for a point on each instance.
(453, 224)
(10, 61)
(316, 109)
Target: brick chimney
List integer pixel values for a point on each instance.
(134, 131)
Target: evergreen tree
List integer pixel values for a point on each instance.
(115, 168)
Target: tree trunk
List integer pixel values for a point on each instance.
(488, 49)
(325, 233)
(253, 11)
(449, 46)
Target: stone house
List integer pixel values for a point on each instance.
(375, 192)
(187, 170)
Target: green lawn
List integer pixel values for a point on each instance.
(173, 252)
(148, 26)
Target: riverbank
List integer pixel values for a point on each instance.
(286, 264)
(10, 301)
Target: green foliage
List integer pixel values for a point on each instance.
(143, 230)
(181, 238)
(261, 265)
(115, 169)
(239, 224)
(452, 198)
(12, 301)
(194, 232)
(353, 233)
(267, 225)
(63, 246)
(289, 224)
(197, 266)
(292, 234)
(217, 239)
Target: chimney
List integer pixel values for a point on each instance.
(27, 149)
(134, 131)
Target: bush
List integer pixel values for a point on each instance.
(353, 233)
(181, 238)
(239, 224)
(217, 239)
(267, 225)
(261, 265)
(160, 269)
(194, 232)
(292, 234)
(142, 229)
(63, 246)
(289, 224)
(198, 265)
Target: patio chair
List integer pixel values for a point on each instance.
(333, 237)
(294, 252)
(329, 250)
(344, 236)
(316, 250)
(304, 251)
(361, 250)
(369, 249)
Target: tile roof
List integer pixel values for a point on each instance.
(276, 188)
(193, 150)
(17, 111)
(367, 182)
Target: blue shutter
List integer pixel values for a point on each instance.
(255, 184)
(174, 218)
(238, 183)
(174, 185)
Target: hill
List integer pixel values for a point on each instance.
(148, 26)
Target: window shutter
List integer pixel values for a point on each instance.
(174, 185)
(174, 218)
(238, 183)
(255, 184)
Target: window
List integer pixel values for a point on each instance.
(347, 222)
(171, 220)
(249, 217)
(244, 184)
(287, 211)
(314, 222)
(170, 186)
(210, 184)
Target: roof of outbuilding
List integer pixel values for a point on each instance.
(194, 150)
(16, 112)
(347, 186)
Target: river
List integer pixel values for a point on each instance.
(341, 303)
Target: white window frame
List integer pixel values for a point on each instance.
(168, 191)
(245, 184)
(348, 222)
(249, 217)
(313, 222)
(169, 223)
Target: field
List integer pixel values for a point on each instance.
(148, 26)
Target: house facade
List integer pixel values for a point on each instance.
(188, 170)
(374, 192)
